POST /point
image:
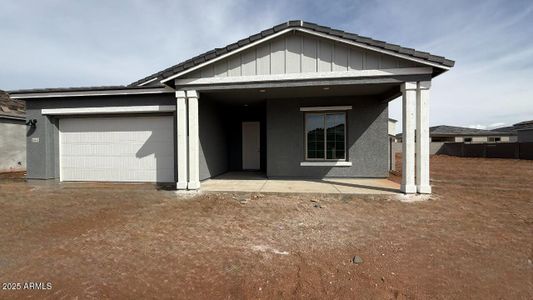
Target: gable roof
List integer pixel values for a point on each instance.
(11, 108)
(444, 130)
(439, 61)
(518, 126)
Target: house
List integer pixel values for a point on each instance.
(445, 133)
(12, 134)
(521, 132)
(297, 100)
(392, 140)
(455, 134)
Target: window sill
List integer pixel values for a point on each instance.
(325, 164)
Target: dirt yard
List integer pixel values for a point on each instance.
(472, 239)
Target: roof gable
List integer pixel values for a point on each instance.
(299, 52)
(310, 28)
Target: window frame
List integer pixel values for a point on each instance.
(324, 113)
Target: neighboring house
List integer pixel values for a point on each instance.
(392, 140)
(525, 135)
(455, 134)
(297, 100)
(520, 132)
(12, 134)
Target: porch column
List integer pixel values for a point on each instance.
(194, 155)
(422, 137)
(181, 139)
(408, 145)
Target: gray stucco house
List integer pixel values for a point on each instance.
(12, 134)
(295, 100)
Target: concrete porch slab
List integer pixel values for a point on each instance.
(256, 182)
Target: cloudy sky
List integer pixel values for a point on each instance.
(58, 43)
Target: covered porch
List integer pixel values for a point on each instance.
(320, 102)
(215, 138)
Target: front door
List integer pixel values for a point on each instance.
(251, 146)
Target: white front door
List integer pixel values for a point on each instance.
(131, 149)
(251, 145)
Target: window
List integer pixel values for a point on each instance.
(325, 136)
(467, 139)
(494, 139)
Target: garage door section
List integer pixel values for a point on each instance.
(128, 149)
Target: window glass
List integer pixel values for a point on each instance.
(325, 136)
(335, 124)
(314, 124)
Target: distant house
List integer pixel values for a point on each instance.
(12, 134)
(451, 134)
(520, 132)
(392, 140)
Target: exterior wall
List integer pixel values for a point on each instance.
(42, 142)
(479, 139)
(12, 145)
(213, 139)
(367, 138)
(300, 53)
(525, 135)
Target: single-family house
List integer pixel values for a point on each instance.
(12, 134)
(296, 100)
(521, 132)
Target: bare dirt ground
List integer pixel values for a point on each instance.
(472, 239)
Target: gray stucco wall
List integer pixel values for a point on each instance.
(42, 142)
(367, 138)
(213, 139)
(12, 145)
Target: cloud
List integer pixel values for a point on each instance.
(477, 126)
(82, 43)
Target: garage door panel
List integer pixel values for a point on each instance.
(132, 149)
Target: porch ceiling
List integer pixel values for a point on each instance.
(380, 91)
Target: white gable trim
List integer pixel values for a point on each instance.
(327, 36)
(228, 54)
(365, 46)
(305, 76)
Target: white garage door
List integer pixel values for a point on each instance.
(131, 149)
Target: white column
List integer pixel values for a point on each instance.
(408, 140)
(422, 137)
(194, 140)
(181, 139)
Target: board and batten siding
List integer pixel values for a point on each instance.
(300, 53)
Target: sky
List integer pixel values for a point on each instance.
(62, 43)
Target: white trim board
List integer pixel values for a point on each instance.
(323, 35)
(108, 110)
(92, 93)
(325, 164)
(326, 108)
(306, 76)
(380, 50)
(228, 54)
